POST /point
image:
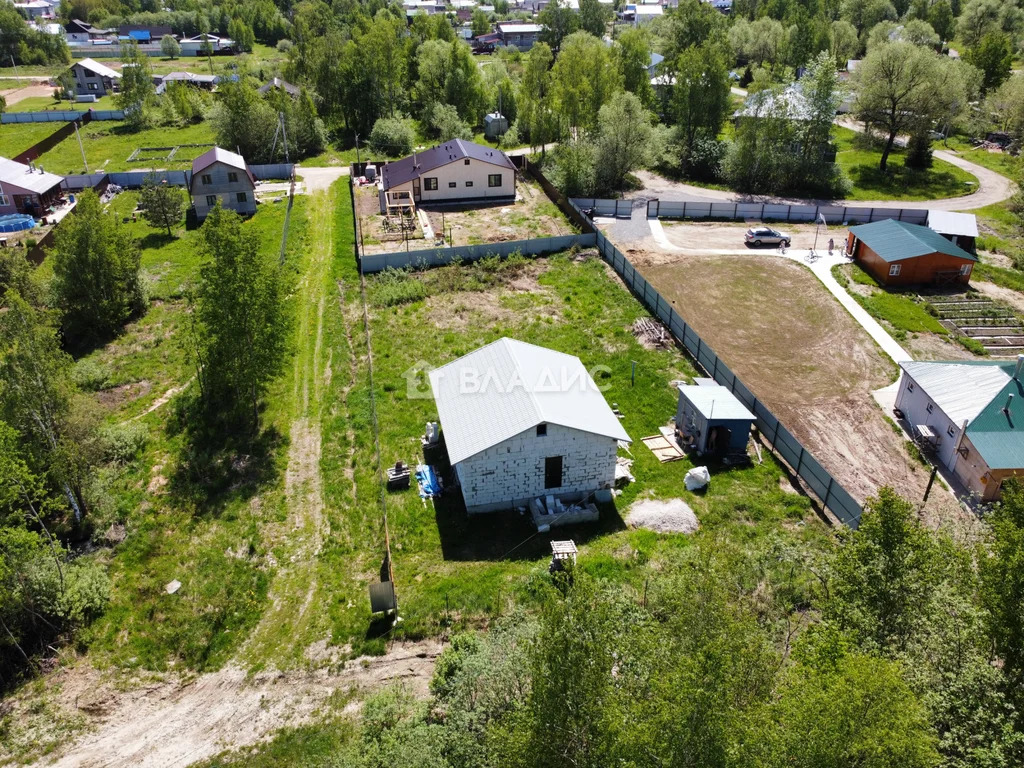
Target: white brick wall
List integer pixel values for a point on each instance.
(512, 472)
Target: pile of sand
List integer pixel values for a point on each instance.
(670, 516)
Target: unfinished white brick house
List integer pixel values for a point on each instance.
(522, 422)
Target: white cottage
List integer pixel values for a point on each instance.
(522, 422)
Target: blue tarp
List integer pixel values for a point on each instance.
(139, 34)
(429, 482)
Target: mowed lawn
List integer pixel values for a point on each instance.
(108, 145)
(16, 138)
(898, 182)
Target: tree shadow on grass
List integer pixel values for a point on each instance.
(156, 240)
(219, 464)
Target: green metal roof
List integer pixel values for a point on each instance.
(897, 240)
(998, 432)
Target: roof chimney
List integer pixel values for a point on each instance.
(1009, 402)
(1020, 364)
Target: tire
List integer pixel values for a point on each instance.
(757, 243)
(785, 243)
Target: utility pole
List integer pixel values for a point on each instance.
(15, 66)
(357, 149)
(284, 134)
(79, 137)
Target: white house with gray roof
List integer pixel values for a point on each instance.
(522, 422)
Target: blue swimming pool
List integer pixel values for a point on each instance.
(15, 222)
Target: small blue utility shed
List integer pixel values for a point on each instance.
(710, 419)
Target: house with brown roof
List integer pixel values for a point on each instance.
(455, 173)
(224, 177)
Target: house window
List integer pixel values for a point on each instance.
(430, 184)
(965, 269)
(241, 197)
(466, 161)
(469, 183)
(910, 386)
(494, 180)
(542, 430)
(207, 179)
(950, 430)
(211, 200)
(232, 177)
(894, 270)
(94, 86)
(553, 472)
(4, 200)
(452, 184)
(929, 408)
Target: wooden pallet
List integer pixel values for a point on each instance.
(663, 449)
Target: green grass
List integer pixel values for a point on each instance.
(897, 183)
(108, 144)
(211, 537)
(40, 103)
(998, 230)
(1008, 278)
(1000, 162)
(15, 139)
(454, 570)
(901, 312)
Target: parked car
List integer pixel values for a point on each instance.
(765, 236)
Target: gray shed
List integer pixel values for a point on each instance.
(711, 420)
(495, 125)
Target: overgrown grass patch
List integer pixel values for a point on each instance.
(454, 571)
(901, 312)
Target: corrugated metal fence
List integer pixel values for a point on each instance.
(133, 179)
(433, 257)
(59, 116)
(834, 497)
(685, 209)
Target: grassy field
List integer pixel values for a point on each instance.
(897, 183)
(41, 103)
(454, 570)
(18, 138)
(902, 313)
(108, 144)
(1000, 162)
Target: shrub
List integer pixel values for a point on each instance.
(446, 124)
(123, 442)
(87, 590)
(511, 138)
(90, 375)
(392, 137)
(284, 46)
(972, 345)
(395, 286)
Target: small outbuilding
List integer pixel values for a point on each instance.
(457, 172)
(519, 35)
(522, 422)
(27, 189)
(711, 420)
(277, 83)
(495, 125)
(959, 228)
(222, 176)
(896, 253)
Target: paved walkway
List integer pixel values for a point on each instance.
(821, 266)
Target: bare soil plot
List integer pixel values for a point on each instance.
(532, 215)
(799, 351)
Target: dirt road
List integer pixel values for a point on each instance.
(180, 722)
(14, 95)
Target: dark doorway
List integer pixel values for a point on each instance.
(416, 190)
(719, 439)
(553, 472)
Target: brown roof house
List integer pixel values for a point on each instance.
(222, 176)
(896, 254)
(457, 172)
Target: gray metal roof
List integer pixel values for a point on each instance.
(715, 402)
(508, 387)
(415, 165)
(950, 223)
(960, 390)
(20, 175)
